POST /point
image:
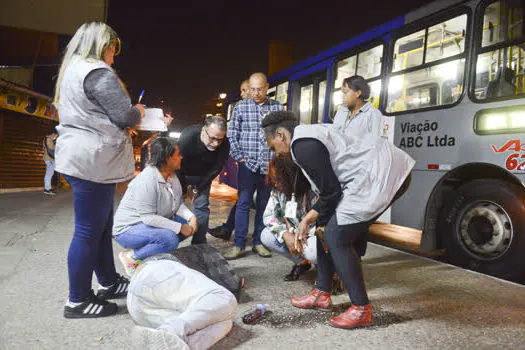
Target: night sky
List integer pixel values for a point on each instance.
(188, 52)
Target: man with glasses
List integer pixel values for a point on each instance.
(204, 150)
(225, 230)
(250, 151)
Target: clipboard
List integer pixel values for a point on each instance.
(153, 120)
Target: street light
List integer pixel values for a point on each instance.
(219, 104)
(222, 95)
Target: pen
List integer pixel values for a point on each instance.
(141, 94)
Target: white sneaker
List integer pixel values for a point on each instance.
(143, 338)
(129, 263)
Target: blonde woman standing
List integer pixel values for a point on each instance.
(93, 152)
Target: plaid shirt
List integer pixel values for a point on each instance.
(246, 135)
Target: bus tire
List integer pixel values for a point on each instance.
(485, 229)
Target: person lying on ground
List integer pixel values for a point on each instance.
(176, 307)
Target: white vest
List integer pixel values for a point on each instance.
(370, 170)
(89, 146)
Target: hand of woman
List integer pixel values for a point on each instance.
(186, 230)
(301, 235)
(193, 224)
(168, 119)
(190, 195)
(289, 239)
(141, 110)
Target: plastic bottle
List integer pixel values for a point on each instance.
(255, 314)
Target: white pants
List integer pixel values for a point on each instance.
(310, 250)
(168, 295)
(50, 169)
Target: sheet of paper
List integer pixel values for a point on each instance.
(153, 120)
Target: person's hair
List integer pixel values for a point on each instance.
(218, 121)
(284, 172)
(280, 119)
(89, 42)
(358, 83)
(244, 82)
(160, 150)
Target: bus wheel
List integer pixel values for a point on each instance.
(485, 229)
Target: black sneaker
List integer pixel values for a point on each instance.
(221, 233)
(92, 308)
(297, 270)
(118, 290)
(49, 192)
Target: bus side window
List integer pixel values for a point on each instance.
(437, 84)
(503, 83)
(367, 64)
(500, 70)
(282, 93)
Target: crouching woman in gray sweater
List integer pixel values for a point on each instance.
(144, 221)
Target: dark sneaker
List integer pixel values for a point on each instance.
(92, 308)
(49, 192)
(297, 271)
(219, 232)
(118, 290)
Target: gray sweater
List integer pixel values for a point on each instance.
(103, 88)
(153, 201)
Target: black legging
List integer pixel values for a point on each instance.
(342, 257)
(346, 243)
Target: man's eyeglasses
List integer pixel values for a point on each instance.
(213, 139)
(257, 89)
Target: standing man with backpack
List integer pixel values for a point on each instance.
(49, 157)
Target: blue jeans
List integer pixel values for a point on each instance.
(50, 170)
(148, 240)
(201, 209)
(229, 225)
(310, 250)
(269, 240)
(91, 248)
(248, 182)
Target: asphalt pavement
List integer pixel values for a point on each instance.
(417, 303)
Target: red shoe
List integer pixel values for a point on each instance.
(317, 299)
(355, 316)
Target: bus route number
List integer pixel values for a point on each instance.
(516, 160)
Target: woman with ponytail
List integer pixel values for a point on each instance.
(93, 152)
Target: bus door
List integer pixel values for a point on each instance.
(309, 98)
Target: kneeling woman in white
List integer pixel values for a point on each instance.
(286, 181)
(144, 221)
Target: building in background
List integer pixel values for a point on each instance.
(33, 34)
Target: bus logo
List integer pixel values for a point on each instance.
(513, 160)
(512, 145)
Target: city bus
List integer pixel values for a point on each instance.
(449, 78)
